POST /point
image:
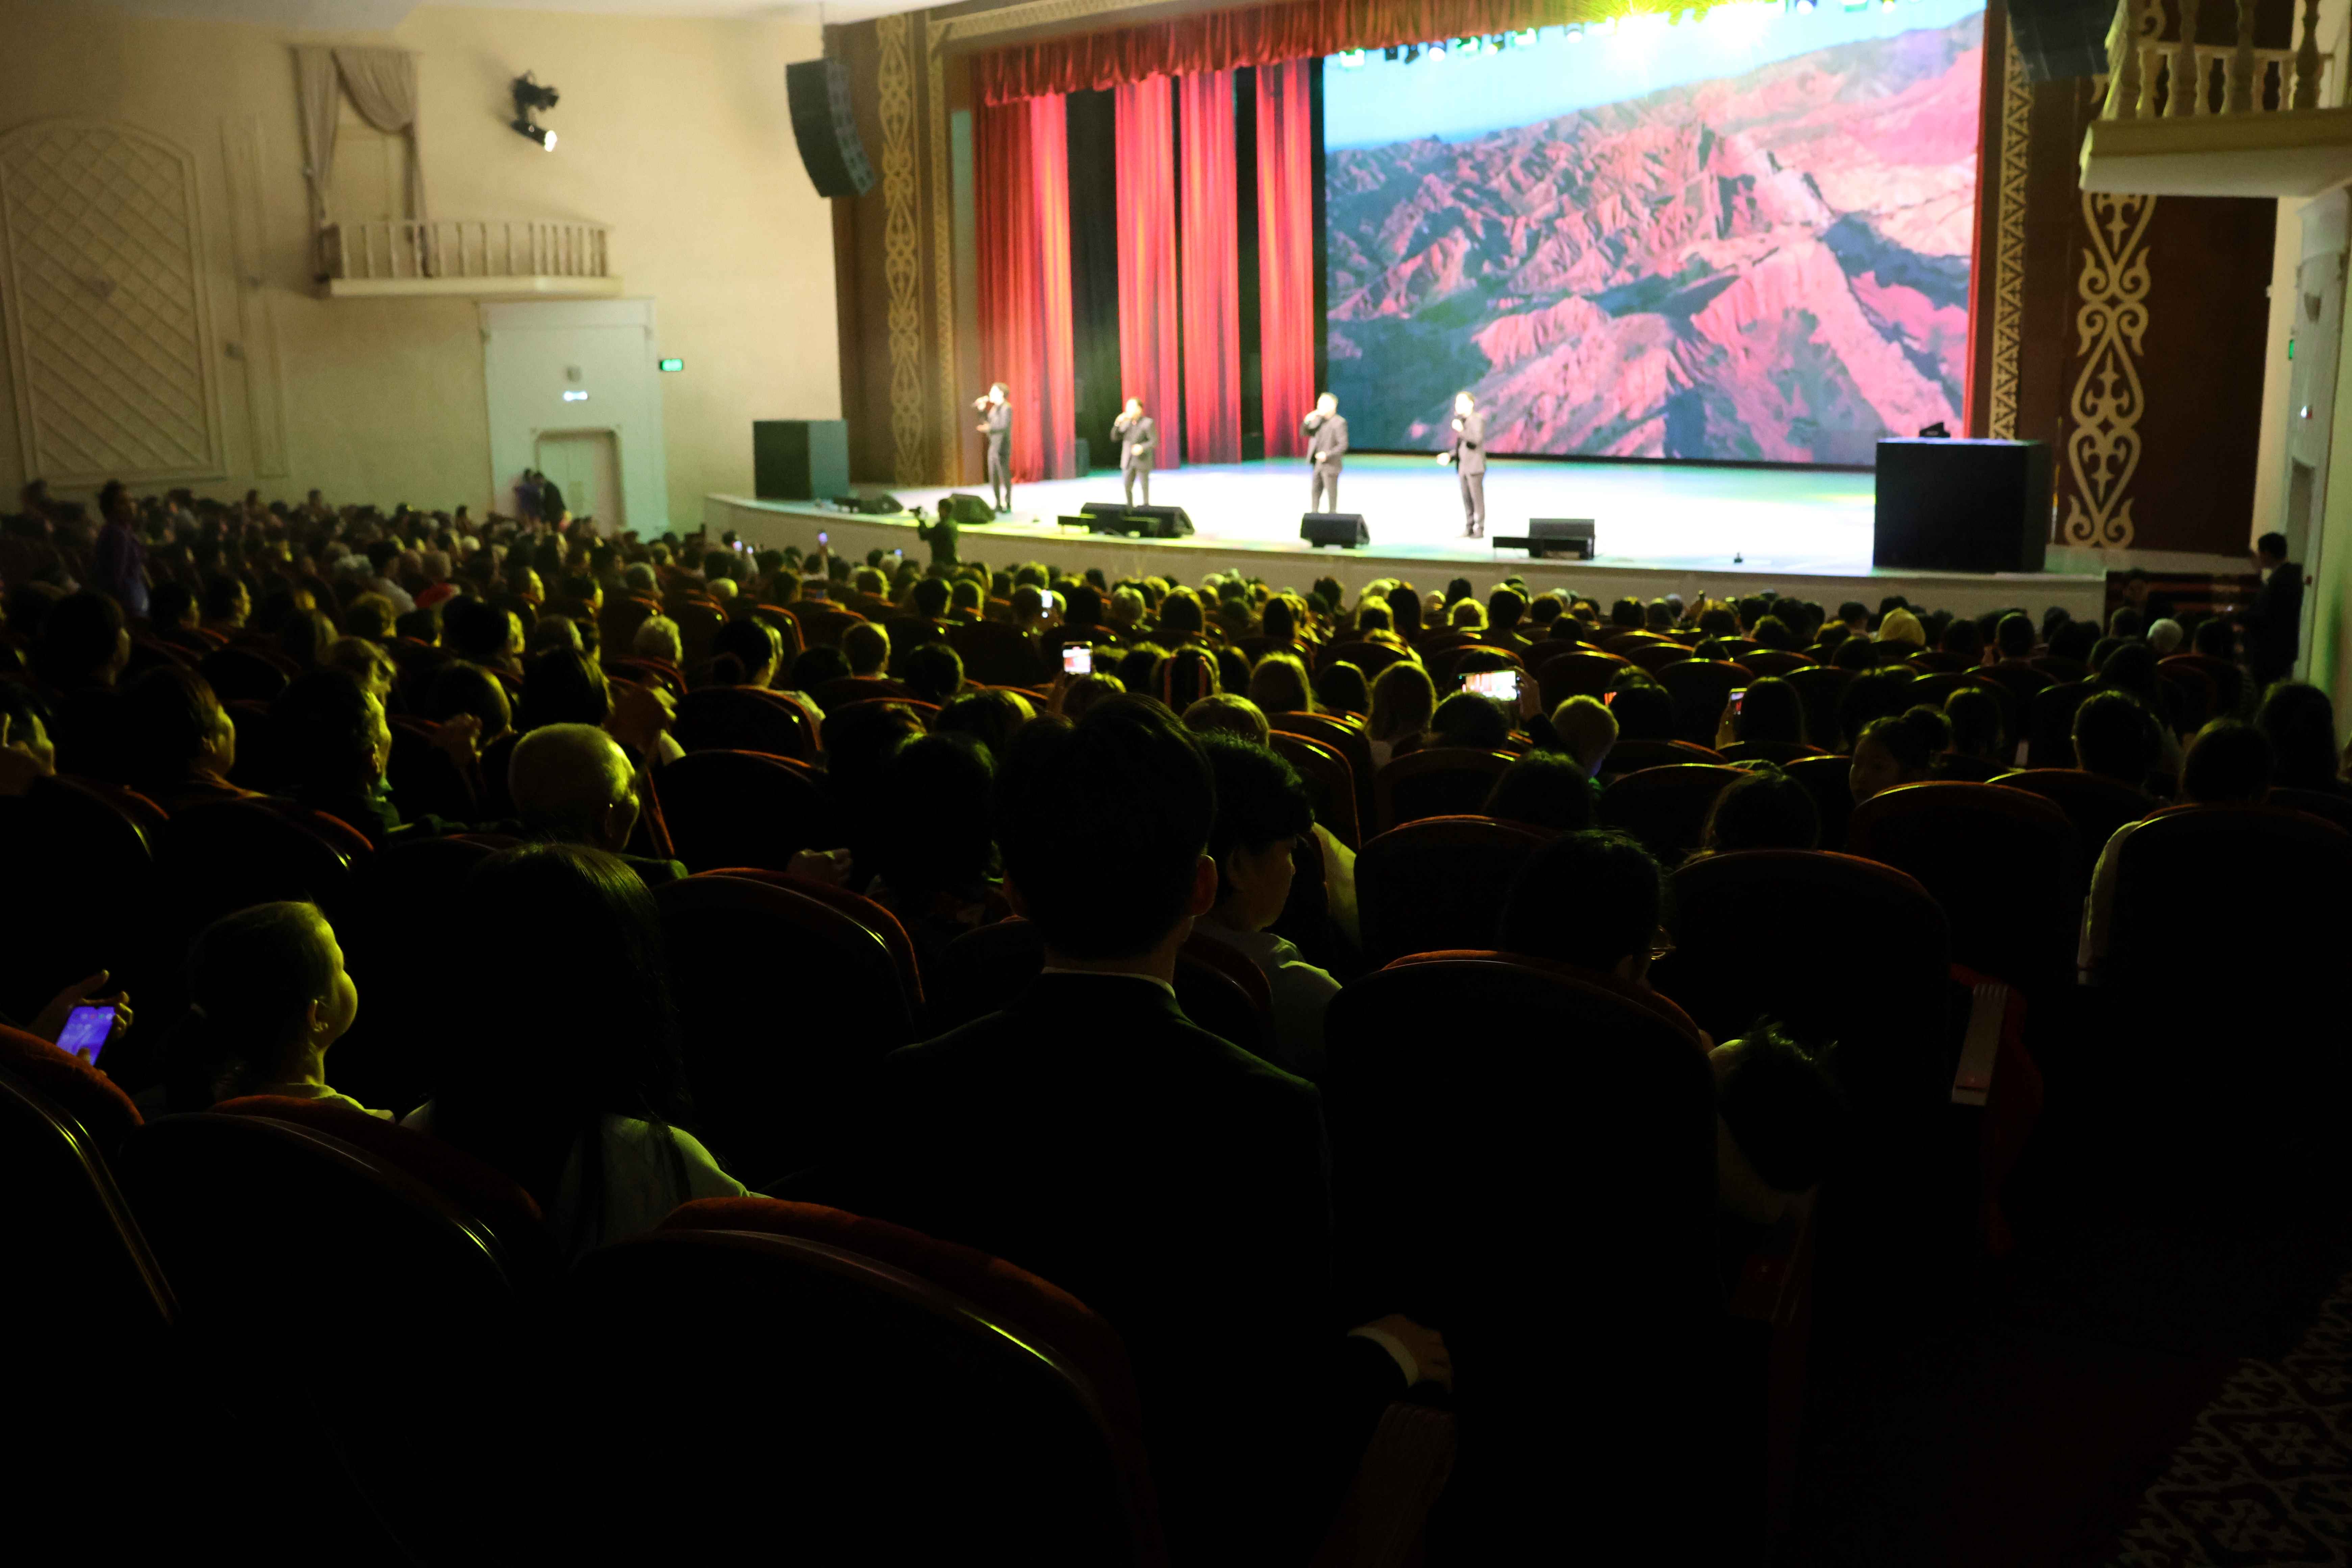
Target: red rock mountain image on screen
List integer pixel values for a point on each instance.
(1770, 268)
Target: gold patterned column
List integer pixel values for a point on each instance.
(943, 315)
(2103, 448)
(902, 258)
(2008, 239)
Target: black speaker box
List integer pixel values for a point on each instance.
(2056, 40)
(1344, 529)
(799, 460)
(1962, 506)
(882, 505)
(1556, 536)
(966, 511)
(826, 129)
(1161, 521)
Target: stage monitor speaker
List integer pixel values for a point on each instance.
(966, 511)
(883, 504)
(799, 460)
(826, 129)
(1962, 506)
(1344, 529)
(1161, 521)
(1105, 516)
(1066, 521)
(2057, 40)
(1556, 536)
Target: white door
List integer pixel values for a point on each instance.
(586, 466)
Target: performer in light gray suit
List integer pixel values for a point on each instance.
(996, 424)
(1468, 456)
(1137, 438)
(1326, 442)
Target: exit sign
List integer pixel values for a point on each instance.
(673, 364)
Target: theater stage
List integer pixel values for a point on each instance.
(1659, 529)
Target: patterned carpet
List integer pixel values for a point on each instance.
(2266, 1477)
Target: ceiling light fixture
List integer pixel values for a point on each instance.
(531, 98)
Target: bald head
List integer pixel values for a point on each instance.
(574, 783)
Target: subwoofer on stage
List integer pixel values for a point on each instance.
(1142, 522)
(799, 460)
(966, 511)
(1962, 506)
(1343, 528)
(826, 129)
(1551, 536)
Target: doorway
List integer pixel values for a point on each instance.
(586, 466)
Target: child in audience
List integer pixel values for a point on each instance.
(267, 995)
(1897, 751)
(1777, 1117)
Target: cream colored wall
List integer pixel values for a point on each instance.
(2270, 462)
(674, 131)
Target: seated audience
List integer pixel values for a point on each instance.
(1279, 684)
(991, 716)
(935, 862)
(1769, 712)
(1897, 749)
(1766, 810)
(1468, 719)
(594, 1131)
(867, 647)
(1779, 1115)
(303, 637)
(1403, 700)
(468, 688)
(931, 672)
(267, 995)
(1585, 729)
(572, 784)
(657, 637)
(1342, 689)
(2115, 738)
(2228, 763)
(1613, 924)
(364, 662)
(2299, 721)
(1645, 710)
(1225, 713)
(1546, 790)
(179, 742)
(1977, 720)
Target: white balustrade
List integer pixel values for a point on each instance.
(464, 248)
(2177, 78)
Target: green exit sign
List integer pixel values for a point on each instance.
(673, 364)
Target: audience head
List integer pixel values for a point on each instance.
(931, 672)
(1643, 709)
(1588, 730)
(1279, 685)
(1104, 825)
(1230, 714)
(867, 647)
(83, 641)
(2270, 550)
(1902, 627)
(1088, 691)
(1184, 677)
(746, 652)
(1262, 809)
(1978, 724)
(815, 666)
(2299, 721)
(572, 783)
(991, 717)
(1873, 694)
(564, 687)
(1897, 749)
(934, 802)
(657, 637)
(2228, 763)
(173, 727)
(2117, 738)
(462, 688)
(1771, 712)
(331, 734)
(1342, 689)
(2164, 637)
(1612, 922)
(1543, 789)
(2013, 636)
(2216, 639)
(269, 995)
(1468, 719)
(1765, 810)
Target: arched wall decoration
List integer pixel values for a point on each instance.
(2103, 449)
(110, 347)
(902, 261)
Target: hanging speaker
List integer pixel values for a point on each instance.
(826, 129)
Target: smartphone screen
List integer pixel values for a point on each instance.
(1737, 693)
(1501, 683)
(1046, 600)
(86, 1030)
(1077, 659)
(820, 538)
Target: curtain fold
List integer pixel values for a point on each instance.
(383, 86)
(1024, 195)
(1209, 302)
(1286, 253)
(1263, 35)
(1143, 114)
(315, 87)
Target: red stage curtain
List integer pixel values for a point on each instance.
(1285, 252)
(1267, 35)
(1146, 157)
(1024, 282)
(1210, 303)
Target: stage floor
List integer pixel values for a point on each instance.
(1658, 529)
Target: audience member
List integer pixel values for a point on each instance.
(2228, 763)
(1468, 719)
(572, 784)
(1280, 684)
(1585, 729)
(1897, 749)
(1766, 810)
(179, 742)
(1546, 790)
(1263, 818)
(2299, 721)
(2115, 738)
(1614, 922)
(1224, 713)
(1977, 720)
(1403, 700)
(267, 995)
(935, 864)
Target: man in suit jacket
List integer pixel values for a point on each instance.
(1326, 442)
(2273, 626)
(1176, 1184)
(941, 537)
(1137, 440)
(996, 424)
(572, 784)
(1468, 456)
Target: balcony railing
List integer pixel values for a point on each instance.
(456, 249)
(2146, 68)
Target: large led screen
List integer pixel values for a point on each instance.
(1743, 238)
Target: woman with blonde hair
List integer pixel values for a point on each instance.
(1403, 698)
(1279, 684)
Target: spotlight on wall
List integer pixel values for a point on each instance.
(531, 98)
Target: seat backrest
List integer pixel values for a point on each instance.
(1701, 688)
(1438, 883)
(1345, 736)
(1371, 658)
(390, 1059)
(741, 808)
(919, 1393)
(1819, 687)
(1222, 992)
(230, 854)
(2229, 681)
(82, 874)
(2327, 807)
(1632, 756)
(1578, 673)
(2005, 866)
(1666, 807)
(427, 780)
(927, 712)
(2049, 724)
(1436, 781)
(243, 674)
(776, 1067)
(1826, 779)
(857, 907)
(984, 971)
(1774, 661)
(1837, 948)
(996, 654)
(1330, 782)
(257, 1223)
(744, 719)
(644, 671)
(2095, 805)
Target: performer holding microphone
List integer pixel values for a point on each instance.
(996, 424)
(1326, 442)
(1137, 438)
(1468, 456)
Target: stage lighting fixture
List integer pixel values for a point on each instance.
(1391, 52)
(1411, 53)
(539, 133)
(531, 98)
(1353, 59)
(1526, 40)
(1573, 32)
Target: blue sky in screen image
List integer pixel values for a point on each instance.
(1384, 101)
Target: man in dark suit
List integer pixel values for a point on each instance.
(572, 784)
(941, 536)
(996, 424)
(1327, 443)
(1137, 440)
(1468, 456)
(1174, 1183)
(2273, 626)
